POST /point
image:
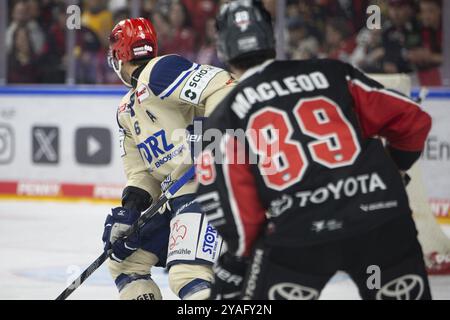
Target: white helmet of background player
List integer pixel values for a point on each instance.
(245, 34)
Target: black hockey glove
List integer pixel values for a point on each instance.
(116, 224)
(134, 200)
(229, 275)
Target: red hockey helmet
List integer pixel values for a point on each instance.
(133, 39)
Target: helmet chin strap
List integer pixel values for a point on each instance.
(117, 71)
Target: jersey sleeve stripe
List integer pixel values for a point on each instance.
(393, 116)
(246, 207)
(178, 81)
(391, 93)
(232, 198)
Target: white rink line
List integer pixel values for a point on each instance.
(43, 243)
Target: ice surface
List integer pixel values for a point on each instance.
(44, 244)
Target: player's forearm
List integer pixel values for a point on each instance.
(403, 159)
(406, 146)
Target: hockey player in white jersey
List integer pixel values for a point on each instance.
(166, 94)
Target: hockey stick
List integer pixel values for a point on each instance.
(144, 218)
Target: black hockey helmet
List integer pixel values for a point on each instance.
(244, 28)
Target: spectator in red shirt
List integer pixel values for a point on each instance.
(200, 11)
(428, 57)
(181, 37)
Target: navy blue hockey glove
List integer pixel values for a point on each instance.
(229, 273)
(116, 224)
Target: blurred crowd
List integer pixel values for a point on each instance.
(36, 36)
(409, 40)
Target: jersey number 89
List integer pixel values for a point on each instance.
(282, 160)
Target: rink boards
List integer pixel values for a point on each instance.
(61, 142)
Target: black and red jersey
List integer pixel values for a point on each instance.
(300, 157)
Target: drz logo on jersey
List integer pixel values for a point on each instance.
(155, 146)
(197, 83)
(170, 156)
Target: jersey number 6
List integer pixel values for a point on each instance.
(282, 159)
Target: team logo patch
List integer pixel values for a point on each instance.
(142, 51)
(184, 235)
(242, 20)
(280, 205)
(178, 233)
(142, 93)
(197, 83)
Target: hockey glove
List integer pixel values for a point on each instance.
(228, 278)
(116, 224)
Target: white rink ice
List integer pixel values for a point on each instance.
(43, 243)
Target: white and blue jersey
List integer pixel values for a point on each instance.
(167, 94)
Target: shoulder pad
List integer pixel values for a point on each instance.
(168, 73)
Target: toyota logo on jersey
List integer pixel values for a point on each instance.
(407, 287)
(292, 291)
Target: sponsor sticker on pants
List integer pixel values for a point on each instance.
(209, 244)
(184, 230)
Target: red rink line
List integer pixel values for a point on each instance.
(37, 189)
(57, 189)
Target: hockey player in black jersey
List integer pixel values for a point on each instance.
(324, 194)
